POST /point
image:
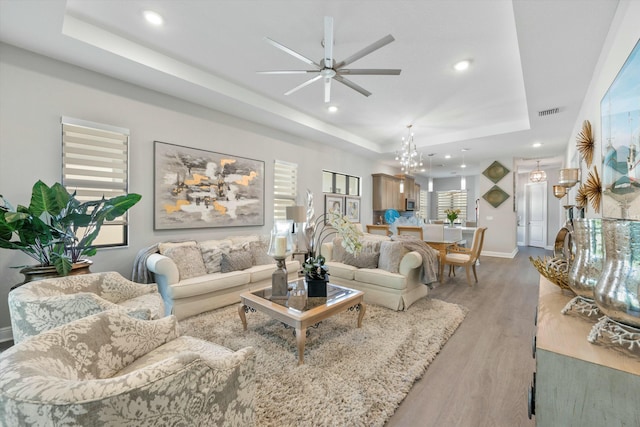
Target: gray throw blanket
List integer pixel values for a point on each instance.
(140, 272)
(429, 256)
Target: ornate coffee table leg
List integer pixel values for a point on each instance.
(301, 338)
(362, 308)
(242, 309)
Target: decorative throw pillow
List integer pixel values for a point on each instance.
(212, 251)
(239, 240)
(236, 260)
(259, 253)
(188, 259)
(391, 254)
(370, 245)
(163, 246)
(362, 260)
(338, 250)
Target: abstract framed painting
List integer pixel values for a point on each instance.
(620, 111)
(352, 208)
(196, 188)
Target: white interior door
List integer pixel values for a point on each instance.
(536, 199)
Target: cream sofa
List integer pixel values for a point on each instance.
(394, 279)
(194, 277)
(110, 369)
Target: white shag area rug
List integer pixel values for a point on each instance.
(350, 376)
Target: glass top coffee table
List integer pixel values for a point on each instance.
(299, 311)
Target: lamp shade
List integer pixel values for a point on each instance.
(297, 214)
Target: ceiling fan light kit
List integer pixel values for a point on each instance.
(328, 70)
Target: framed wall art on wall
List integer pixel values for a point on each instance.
(620, 111)
(352, 208)
(196, 188)
(333, 204)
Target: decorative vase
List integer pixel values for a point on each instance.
(588, 257)
(316, 287)
(32, 274)
(616, 292)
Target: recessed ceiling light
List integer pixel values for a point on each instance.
(537, 144)
(447, 156)
(332, 108)
(462, 65)
(153, 17)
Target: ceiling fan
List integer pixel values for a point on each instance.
(327, 68)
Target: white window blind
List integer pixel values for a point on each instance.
(424, 205)
(452, 200)
(285, 188)
(95, 163)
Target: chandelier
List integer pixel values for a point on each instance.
(408, 155)
(537, 175)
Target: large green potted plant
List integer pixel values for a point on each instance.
(56, 229)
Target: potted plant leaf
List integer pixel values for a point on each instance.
(56, 229)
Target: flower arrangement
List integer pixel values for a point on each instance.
(452, 214)
(332, 223)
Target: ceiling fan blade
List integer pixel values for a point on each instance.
(367, 50)
(288, 72)
(308, 82)
(352, 85)
(370, 71)
(328, 42)
(327, 90)
(291, 52)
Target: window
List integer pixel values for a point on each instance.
(339, 183)
(423, 209)
(285, 188)
(95, 163)
(452, 200)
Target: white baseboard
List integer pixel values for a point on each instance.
(500, 254)
(6, 334)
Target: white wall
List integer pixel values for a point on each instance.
(37, 91)
(623, 36)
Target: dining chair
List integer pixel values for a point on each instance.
(382, 229)
(408, 230)
(466, 257)
(433, 232)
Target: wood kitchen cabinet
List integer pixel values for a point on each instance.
(386, 192)
(578, 383)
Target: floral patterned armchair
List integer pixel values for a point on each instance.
(36, 307)
(111, 369)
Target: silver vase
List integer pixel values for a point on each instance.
(616, 292)
(588, 256)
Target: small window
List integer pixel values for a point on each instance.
(285, 188)
(95, 163)
(339, 183)
(424, 204)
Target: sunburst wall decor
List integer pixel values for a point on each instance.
(586, 143)
(582, 200)
(593, 189)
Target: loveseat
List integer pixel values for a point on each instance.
(393, 274)
(194, 277)
(110, 369)
(38, 306)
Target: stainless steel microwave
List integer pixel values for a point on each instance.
(409, 204)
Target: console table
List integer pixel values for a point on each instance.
(578, 383)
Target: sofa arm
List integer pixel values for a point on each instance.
(166, 274)
(410, 261)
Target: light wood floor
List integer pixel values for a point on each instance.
(482, 375)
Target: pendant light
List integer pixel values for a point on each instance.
(538, 175)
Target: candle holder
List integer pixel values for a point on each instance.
(280, 247)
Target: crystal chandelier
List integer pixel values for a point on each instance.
(408, 155)
(537, 175)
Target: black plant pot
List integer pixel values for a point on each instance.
(317, 287)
